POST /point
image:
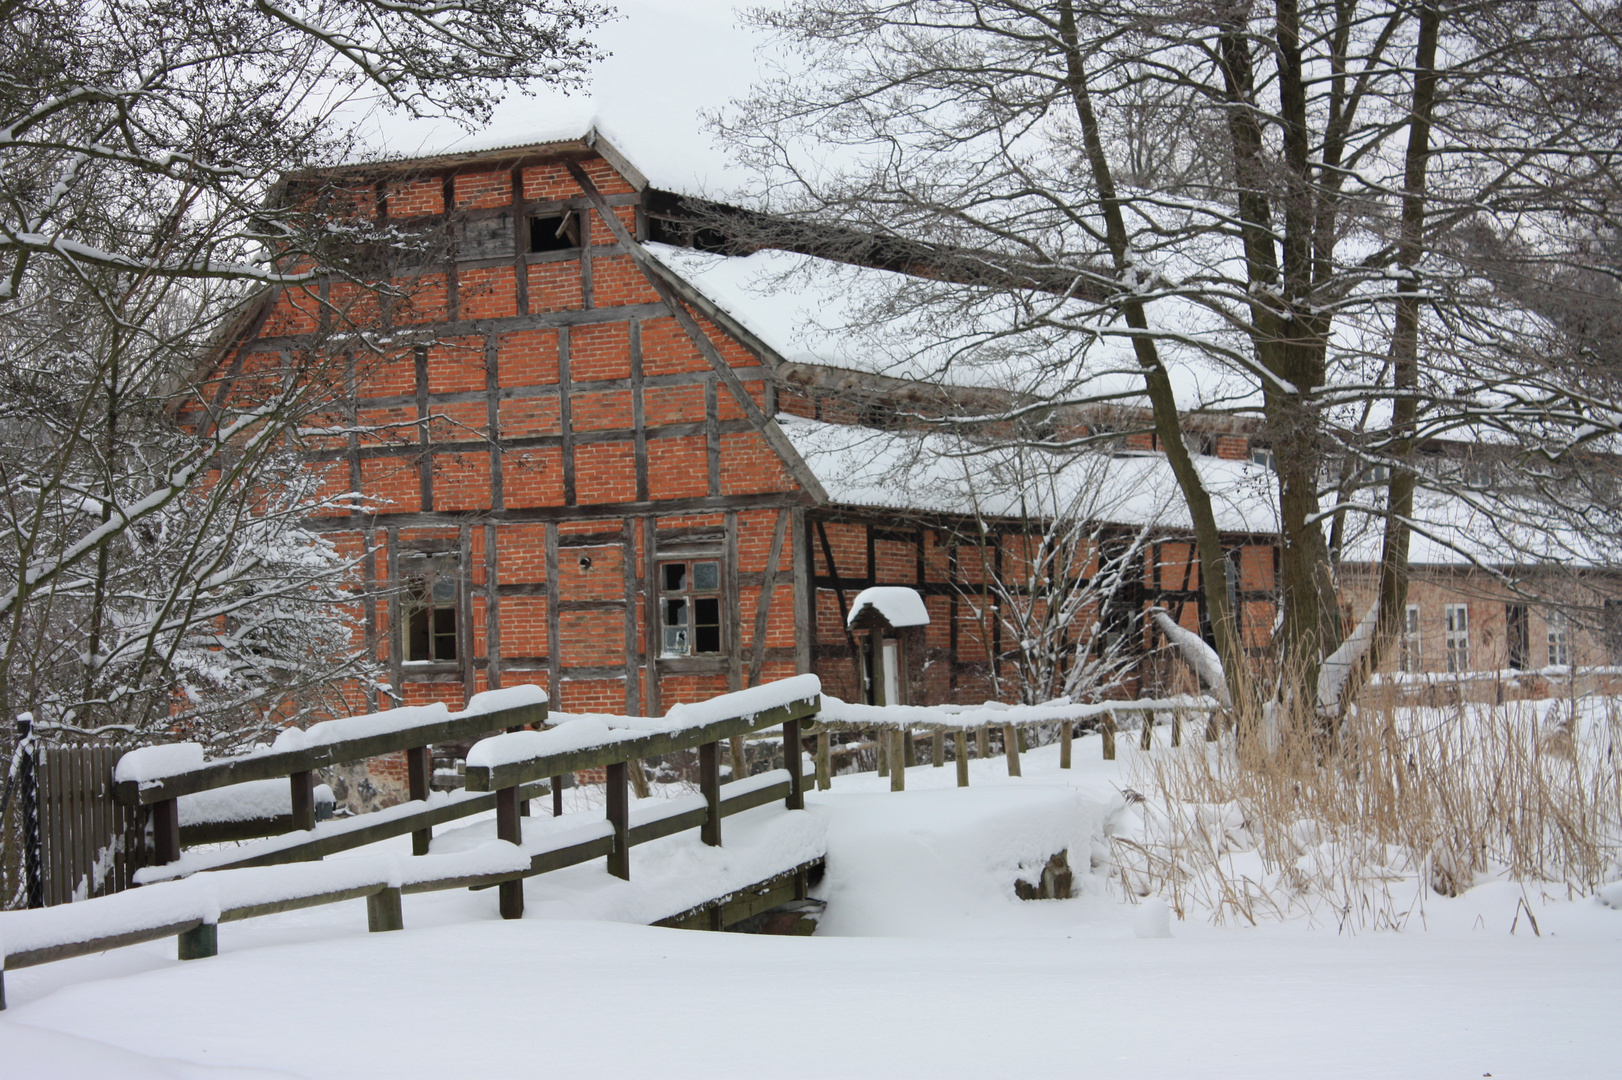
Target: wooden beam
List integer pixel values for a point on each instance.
(709, 782)
(217, 774)
(486, 778)
(763, 602)
(619, 816)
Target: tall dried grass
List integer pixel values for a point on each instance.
(1362, 829)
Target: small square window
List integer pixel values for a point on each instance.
(559, 232)
(690, 620)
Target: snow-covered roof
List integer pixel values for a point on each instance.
(899, 605)
(939, 473)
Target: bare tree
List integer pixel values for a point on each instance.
(1264, 208)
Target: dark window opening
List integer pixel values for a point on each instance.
(557, 233)
(1519, 635)
(430, 608)
(690, 608)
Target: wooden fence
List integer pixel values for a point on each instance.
(192, 907)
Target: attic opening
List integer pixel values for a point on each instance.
(556, 232)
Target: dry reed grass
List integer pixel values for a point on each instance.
(1404, 802)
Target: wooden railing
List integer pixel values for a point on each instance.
(502, 771)
(894, 728)
(161, 791)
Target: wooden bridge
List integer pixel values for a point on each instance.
(188, 894)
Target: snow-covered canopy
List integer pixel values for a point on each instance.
(929, 472)
(899, 605)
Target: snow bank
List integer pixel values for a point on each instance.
(944, 861)
(899, 605)
(150, 763)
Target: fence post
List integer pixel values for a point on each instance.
(383, 909)
(303, 793)
(898, 760)
(418, 778)
(791, 761)
(201, 941)
(709, 782)
(1106, 728)
(166, 831)
(909, 747)
(557, 796)
(937, 749)
(510, 829)
(740, 759)
(619, 816)
(1177, 727)
(28, 806)
(962, 741)
(982, 741)
(825, 780)
(881, 740)
(1010, 745)
(1147, 739)
(1066, 734)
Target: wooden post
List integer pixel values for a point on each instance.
(1107, 729)
(510, 829)
(898, 759)
(1066, 733)
(166, 831)
(709, 782)
(1010, 746)
(881, 739)
(557, 796)
(383, 909)
(740, 761)
(303, 790)
(937, 750)
(982, 742)
(639, 780)
(619, 816)
(1177, 727)
(199, 942)
(962, 740)
(791, 761)
(1147, 739)
(909, 747)
(825, 776)
(418, 765)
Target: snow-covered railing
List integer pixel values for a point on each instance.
(193, 906)
(158, 776)
(502, 763)
(895, 726)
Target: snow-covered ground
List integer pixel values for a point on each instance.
(925, 965)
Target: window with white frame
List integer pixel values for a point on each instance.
(1559, 639)
(690, 607)
(1457, 629)
(1408, 655)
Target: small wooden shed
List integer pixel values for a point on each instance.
(888, 622)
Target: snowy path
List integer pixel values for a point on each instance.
(962, 982)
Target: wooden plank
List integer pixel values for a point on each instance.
(824, 770)
(709, 782)
(345, 841)
(510, 828)
(418, 784)
(383, 911)
(898, 760)
(619, 816)
(961, 740)
(1066, 735)
(229, 771)
(49, 953)
(302, 788)
(1010, 747)
(795, 799)
(805, 595)
(165, 831)
(763, 603)
(484, 778)
(298, 903)
(1107, 729)
(696, 818)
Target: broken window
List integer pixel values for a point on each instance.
(558, 232)
(690, 607)
(430, 607)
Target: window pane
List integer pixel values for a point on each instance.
(707, 576)
(675, 576)
(418, 646)
(675, 628)
(707, 625)
(444, 633)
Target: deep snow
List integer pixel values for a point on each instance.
(925, 966)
